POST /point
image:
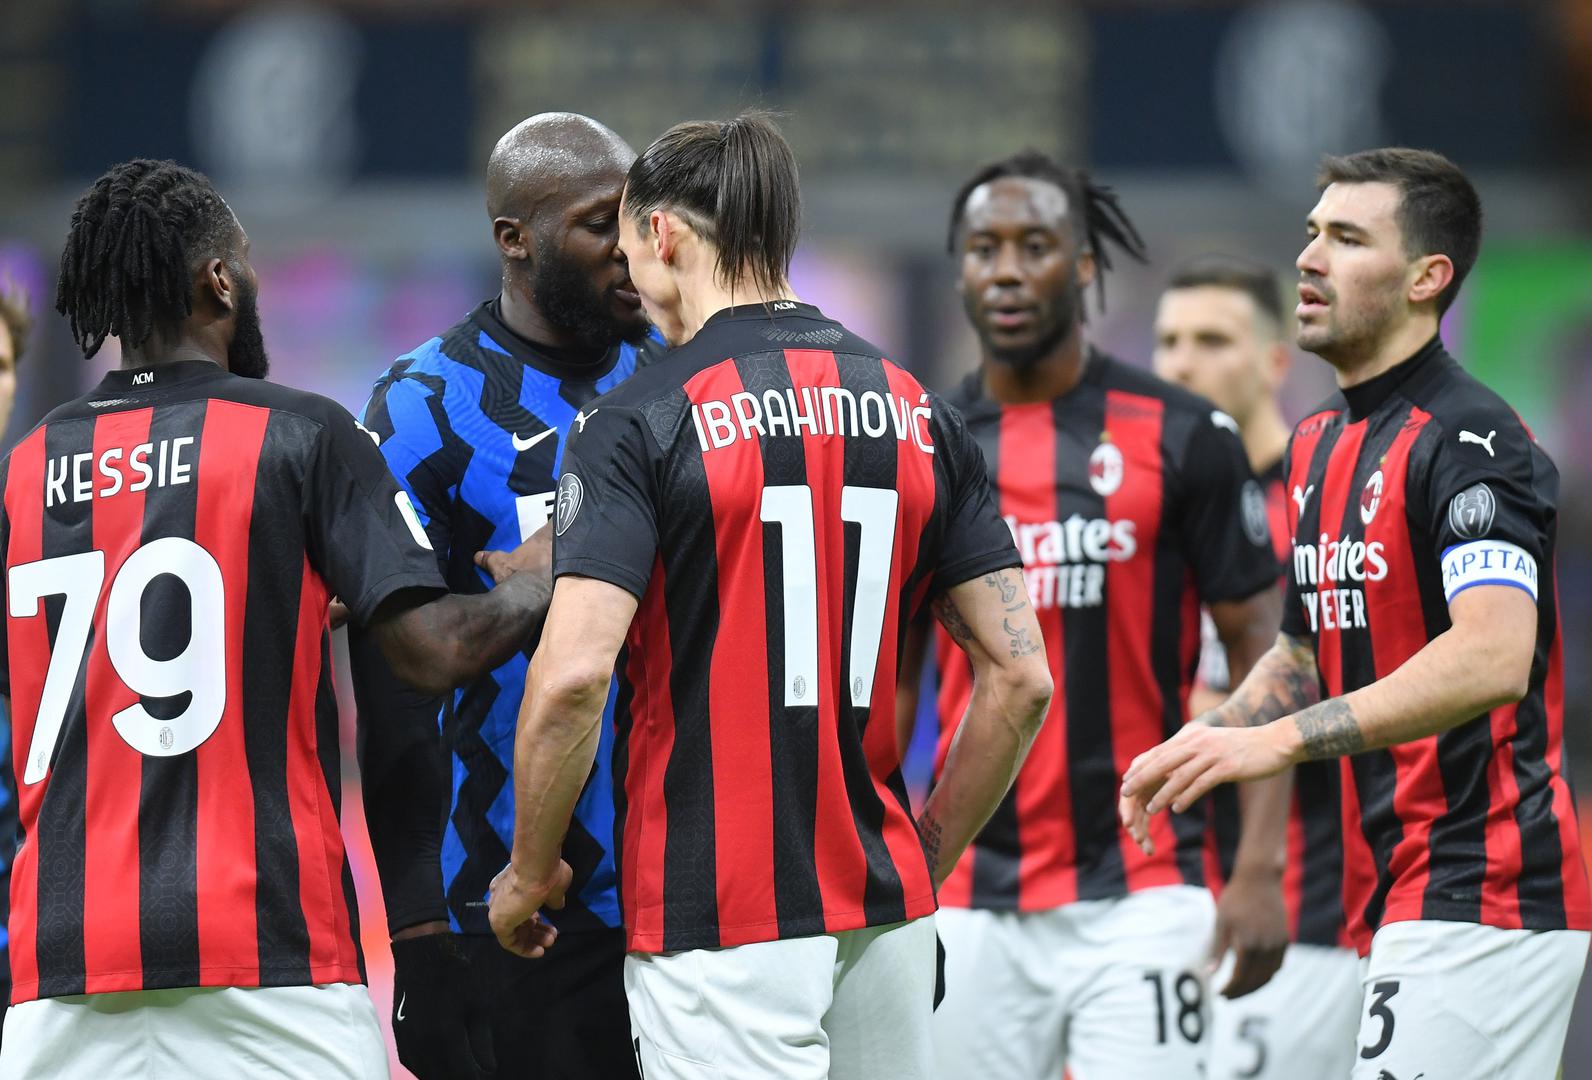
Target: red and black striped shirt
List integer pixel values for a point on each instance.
(1312, 879)
(1132, 502)
(782, 500)
(170, 543)
(1410, 488)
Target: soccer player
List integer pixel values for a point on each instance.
(1132, 504)
(474, 424)
(748, 526)
(182, 904)
(1219, 332)
(14, 326)
(1422, 612)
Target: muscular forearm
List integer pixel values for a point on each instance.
(454, 639)
(1454, 678)
(554, 747)
(989, 747)
(1263, 837)
(1282, 681)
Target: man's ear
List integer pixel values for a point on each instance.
(217, 285)
(1086, 270)
(1432, 275)
(513, 238)
(663, 233)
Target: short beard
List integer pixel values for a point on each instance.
(1069, 312)
(1345, 343)
(246, 355)
(567, 299)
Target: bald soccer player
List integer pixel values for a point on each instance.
(473, 424)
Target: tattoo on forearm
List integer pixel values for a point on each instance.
(950, 618)
(930, 834)
(1021, 644)
(1291, 679)
(1330, 730)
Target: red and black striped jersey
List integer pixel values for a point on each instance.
(170, 542)
(782, 500)
(1132, 502)
(1410, 488)
(1312, 880)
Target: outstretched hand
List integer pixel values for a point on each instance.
(1186, 766)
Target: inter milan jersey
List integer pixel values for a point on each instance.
(170, 542)
(1132, 502)
(473, 424)
(1409, 489)
(781, 500)
(1312, 879)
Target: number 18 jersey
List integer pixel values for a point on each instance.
(781, 500)
(170, 542)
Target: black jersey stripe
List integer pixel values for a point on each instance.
(276, 558)
(868, 463)
(168, 801)
(68, 529)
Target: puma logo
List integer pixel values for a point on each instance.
(1472, 437)
(584, 416)
(1302, 496)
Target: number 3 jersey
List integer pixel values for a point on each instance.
(781, 500)
(1407, 490)
(170, 544)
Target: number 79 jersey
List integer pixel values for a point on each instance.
(170, 542)
(781, 500)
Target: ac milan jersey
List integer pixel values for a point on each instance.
(1312, 879)
(1132, 502)
(170, 542)
(473, 424)
(1409, 489)
(781, 500)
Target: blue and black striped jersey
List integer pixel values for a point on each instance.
(473, 424)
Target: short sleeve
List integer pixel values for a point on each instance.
(1226, 526)
(605, 516)
(1490, 495)
(976, 540)
(406, 419)
(364, 536)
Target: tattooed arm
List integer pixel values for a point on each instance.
(1282, 681)
(992, 621)
(1483, 660)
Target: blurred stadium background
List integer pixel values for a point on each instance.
(351, 136)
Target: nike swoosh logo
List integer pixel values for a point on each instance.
(522, 445)
(401, 1001)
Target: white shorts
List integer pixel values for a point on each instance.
(240, 1033)
(1299, 1026)
(1110, 989)
(851, 1006)
(1450, 999)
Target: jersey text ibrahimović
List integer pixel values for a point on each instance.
(781, 500)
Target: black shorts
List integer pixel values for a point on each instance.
(562, 1017)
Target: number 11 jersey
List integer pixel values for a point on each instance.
(781, 500)
(170, 542)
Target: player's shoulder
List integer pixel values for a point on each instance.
(1470, 422)
(1178, 405)
(284, 400)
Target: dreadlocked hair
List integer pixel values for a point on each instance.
(1104, 220)
(125, 269)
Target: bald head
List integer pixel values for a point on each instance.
(548, 155)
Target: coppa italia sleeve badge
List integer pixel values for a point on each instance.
(1470, 515)
(570, 494)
